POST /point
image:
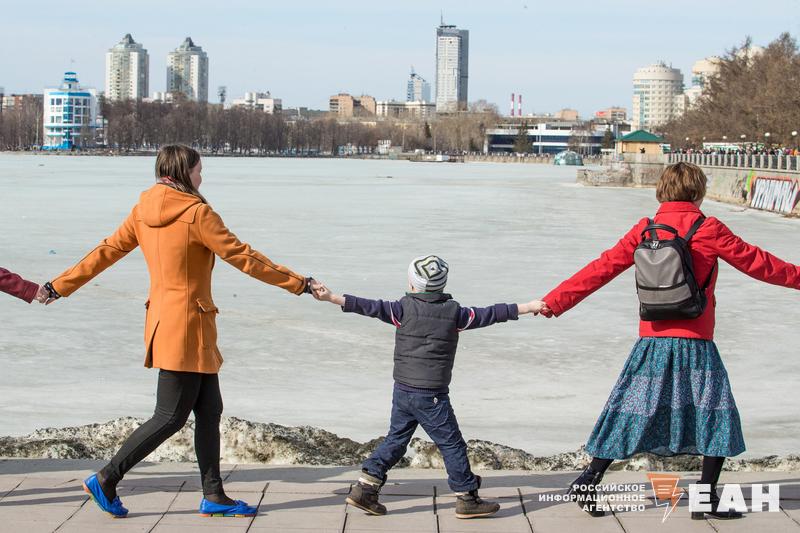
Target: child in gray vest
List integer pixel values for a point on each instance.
(428, 322)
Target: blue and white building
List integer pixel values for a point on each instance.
(547, 137)
(70, 115)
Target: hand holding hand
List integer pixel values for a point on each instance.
(323, 293)
(534, 306)
(44, 295)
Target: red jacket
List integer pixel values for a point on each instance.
(713, 240)
(14, 285)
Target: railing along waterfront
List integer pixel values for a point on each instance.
(762, 161)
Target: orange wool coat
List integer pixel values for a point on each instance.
(179, 236)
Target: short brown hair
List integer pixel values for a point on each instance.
(176, 161)
(681, 182)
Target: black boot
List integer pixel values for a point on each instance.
(730, 514)
(470, 505)
(364, 494)
(584, 491)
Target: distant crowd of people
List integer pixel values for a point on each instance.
(745, 151)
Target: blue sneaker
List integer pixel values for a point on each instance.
(239, 509)
(114, 508)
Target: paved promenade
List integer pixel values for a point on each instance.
(46, 496)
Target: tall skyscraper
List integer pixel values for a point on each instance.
(452, 72)
(127, 70)
(418, 90)
(657, 96)
(187, 71)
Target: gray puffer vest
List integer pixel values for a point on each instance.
(426, 341)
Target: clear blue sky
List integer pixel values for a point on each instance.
(579, 54)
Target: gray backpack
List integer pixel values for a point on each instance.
(665, 281)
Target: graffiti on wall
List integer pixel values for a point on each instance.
(774, 194)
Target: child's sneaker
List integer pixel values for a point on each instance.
(470, 505)
(364, 494)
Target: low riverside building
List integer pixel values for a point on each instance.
(549, 137)
(345, 105)
(394, 109)
(12, 101)
(70, 115)
(259, 102)
(612, 114)
(640, 142)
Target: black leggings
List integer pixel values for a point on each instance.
(179, 393)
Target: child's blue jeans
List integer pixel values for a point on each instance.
(435, 414)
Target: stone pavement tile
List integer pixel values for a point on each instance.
(412, 488)
(212, 526)
(510, 518)
(297, 473)
(636, 523)
(183, 512)
(146, 507)
(167, 475)
(578, 524)
(299, 520)
(404, 513)
(40, 492)
(9, 482)
(15, 526)
(756, 522)
(318, 487)
(791, 508)
(241, 480)
(122, 525)
(47, 514)
(276, 502)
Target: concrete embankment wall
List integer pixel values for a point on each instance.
(767, 189)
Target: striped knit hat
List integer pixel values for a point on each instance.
(428, 273)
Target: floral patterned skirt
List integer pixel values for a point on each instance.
(672, 397)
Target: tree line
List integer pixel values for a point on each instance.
(136, 125)
(752, 94)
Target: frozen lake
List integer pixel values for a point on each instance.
(509, 232)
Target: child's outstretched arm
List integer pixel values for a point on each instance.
(480, 317)
(389, 312)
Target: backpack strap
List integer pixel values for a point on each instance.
(652, 227)
(694, 228)
(710, 275)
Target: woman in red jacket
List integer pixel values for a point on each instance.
(673, 396)
(15, 285)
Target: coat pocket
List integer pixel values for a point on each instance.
(208, 325)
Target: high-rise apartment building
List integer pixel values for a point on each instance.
(452, 68)
(657, 96)
(127, 70)
(187, 71)
(417, 89)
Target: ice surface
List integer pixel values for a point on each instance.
(509, 232)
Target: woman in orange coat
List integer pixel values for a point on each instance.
(179, 235)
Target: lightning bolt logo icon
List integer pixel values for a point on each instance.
(666, 492)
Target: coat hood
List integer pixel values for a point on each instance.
(161, 205)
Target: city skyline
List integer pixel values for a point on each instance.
(346, 48)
